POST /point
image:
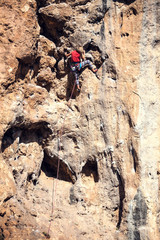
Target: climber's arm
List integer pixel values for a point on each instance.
(67, 54)
(83, 55)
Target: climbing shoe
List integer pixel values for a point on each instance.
(78, 88)
(94, 69)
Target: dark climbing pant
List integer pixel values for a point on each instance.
(83, 64)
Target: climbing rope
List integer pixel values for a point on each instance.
(60, 133)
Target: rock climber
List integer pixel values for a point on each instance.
(78, 62)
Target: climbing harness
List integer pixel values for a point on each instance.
(76, 66)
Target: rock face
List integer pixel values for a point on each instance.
(79, 165)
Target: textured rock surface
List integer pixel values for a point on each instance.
(106, 138)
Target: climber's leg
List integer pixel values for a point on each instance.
(76, 75)
(89, 64)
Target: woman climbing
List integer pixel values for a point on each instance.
(78, 62)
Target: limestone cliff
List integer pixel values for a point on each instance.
(104, 141)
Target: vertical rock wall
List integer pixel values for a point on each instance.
(104, 139)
